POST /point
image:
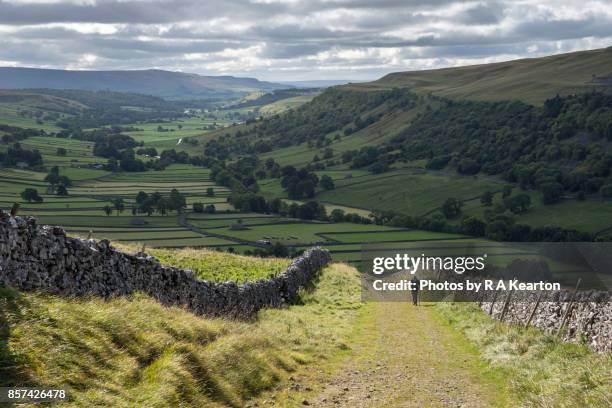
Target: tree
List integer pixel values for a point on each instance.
(552, 192)
(210, 192)
(337, 215)
(279, 250)
(606, 191)
(198, 207)
(176, 201)
(487, 198)
(108, 209)
(518, 204)
(326, 182)
(161, 206)
(119, 205)
(468, 166)
(61, 190)
(473, 226)
(147, 207)
(506, 191)
(61, 151)
(141, 197)
(31, 195)
(451, 207)
(210, 209)
(55, 179)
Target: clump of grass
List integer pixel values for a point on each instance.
(218, 266)
(135, 352)
(543, 370)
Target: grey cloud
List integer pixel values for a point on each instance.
(483, 14)
(593, 26)
(284, 51)
(287, 35)
(116, 11)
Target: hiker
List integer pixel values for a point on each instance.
(415, 290)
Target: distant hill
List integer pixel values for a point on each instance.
(322, 83)
(530, 80)
(154, 82)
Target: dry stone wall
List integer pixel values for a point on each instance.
(43, 258)
(589, 320)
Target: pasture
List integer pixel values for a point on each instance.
(593, 215)
(405, 191)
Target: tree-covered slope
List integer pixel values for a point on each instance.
(556, 152)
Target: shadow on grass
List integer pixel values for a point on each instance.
(12, 366)
(308, 289)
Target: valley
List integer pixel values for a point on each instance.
(388, 184)
(231, 179)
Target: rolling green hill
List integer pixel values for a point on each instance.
(428, 136)
(530, 80)
(153, 82)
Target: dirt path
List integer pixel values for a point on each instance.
(406, 356)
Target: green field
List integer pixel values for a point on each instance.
(591, 215)
(219, 267)
(283, 105)
(404, 191)
(388, 236)
(296, 234)
(81, 212)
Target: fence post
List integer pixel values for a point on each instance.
(15, 210)
(534, 309)
(506, 304)
(492, 303)
(505, 308)
(569, 307)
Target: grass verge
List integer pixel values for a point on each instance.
(134, 352)
(542, 370)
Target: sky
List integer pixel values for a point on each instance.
(290, 40)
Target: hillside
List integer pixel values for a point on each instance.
(155, 82)
(530, 80)
(420, 150)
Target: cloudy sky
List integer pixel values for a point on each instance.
(293, 39)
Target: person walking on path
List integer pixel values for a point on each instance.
(414, 289)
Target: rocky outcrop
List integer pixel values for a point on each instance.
(43, 258)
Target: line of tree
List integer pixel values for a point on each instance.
(16, 154)
(497, 227)
(145, 203)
